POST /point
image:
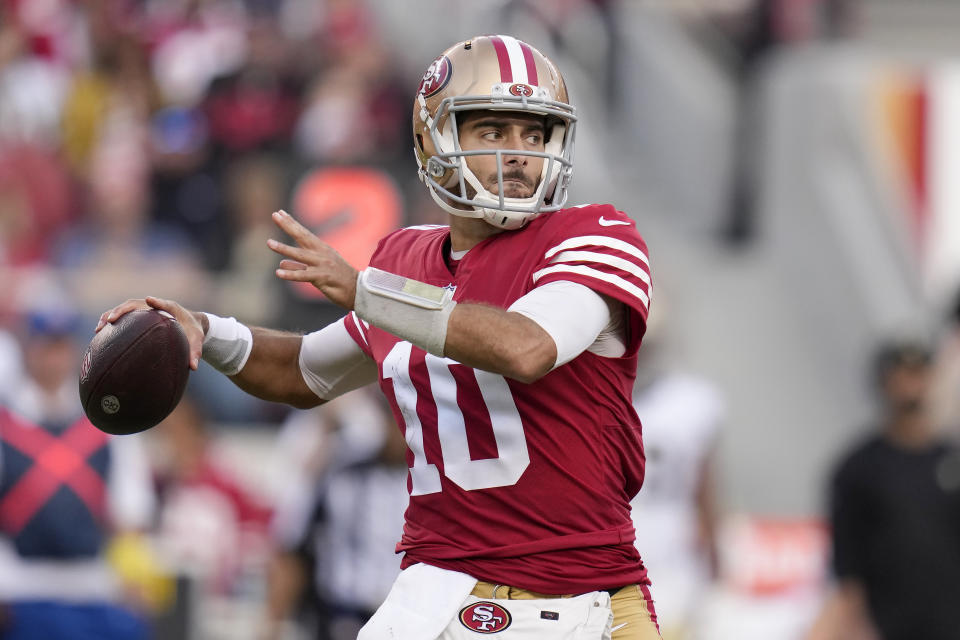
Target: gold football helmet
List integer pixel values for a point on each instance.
(491, 73)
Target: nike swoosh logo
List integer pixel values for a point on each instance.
(610, 223)
(619, 626)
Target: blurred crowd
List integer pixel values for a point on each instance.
(143, 144)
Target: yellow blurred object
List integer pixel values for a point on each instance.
(83, 114)
(135, 562)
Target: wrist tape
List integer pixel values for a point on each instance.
(415, 311)
(227, 344)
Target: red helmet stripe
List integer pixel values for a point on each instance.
(531, 64)
(506, 73)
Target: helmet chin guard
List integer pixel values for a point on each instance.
(477, 75)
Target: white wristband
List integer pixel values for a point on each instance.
(415, 311)
(227, 344)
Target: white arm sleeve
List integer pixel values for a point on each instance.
(597, 325)
(332, 363)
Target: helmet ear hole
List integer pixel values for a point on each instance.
(548, 128)
(419, 139)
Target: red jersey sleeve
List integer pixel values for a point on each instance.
(600, 247)
(357, 329)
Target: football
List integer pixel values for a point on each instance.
(134, 372)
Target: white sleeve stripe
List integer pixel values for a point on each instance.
(600, 241)
(605, 258)
(610, 278)
(359, 326)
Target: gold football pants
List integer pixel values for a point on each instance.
(631, 613)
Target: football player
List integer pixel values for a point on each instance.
(506, 344)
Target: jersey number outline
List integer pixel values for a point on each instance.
(513, 457)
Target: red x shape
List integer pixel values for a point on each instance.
(57, 462)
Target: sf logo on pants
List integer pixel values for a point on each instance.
(485, 617)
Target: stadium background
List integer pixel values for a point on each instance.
(789, 163)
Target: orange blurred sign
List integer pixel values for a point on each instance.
(351, 209)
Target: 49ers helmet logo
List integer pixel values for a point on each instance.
(485, 617)
(436, 77)
(521, 90)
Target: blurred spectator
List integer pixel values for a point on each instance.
(109, 99)
(675, 514)
(193, 43)
(35, 203)
(334, 125)
(65, 489)
(310, 443)
(117, 252)
(211, 531)
(187, 189)
(202, 500)
(255, 186)
(354, 110)
(11, 362)
(245, 104)
(339, 545)
(254, 107)
(946, 383)
(895, 511)
(33, 78)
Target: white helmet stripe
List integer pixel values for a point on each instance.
(516, 60)
(518, 64)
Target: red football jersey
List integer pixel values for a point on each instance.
(527, 485)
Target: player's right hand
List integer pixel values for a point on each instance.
(314, 261)
(193, 323)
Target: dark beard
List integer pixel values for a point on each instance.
(528, 185)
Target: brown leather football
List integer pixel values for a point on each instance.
(134, 372)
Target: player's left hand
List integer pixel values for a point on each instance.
(314, 261)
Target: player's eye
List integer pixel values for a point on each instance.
(534, 139)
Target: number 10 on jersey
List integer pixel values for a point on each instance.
(458, 467)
